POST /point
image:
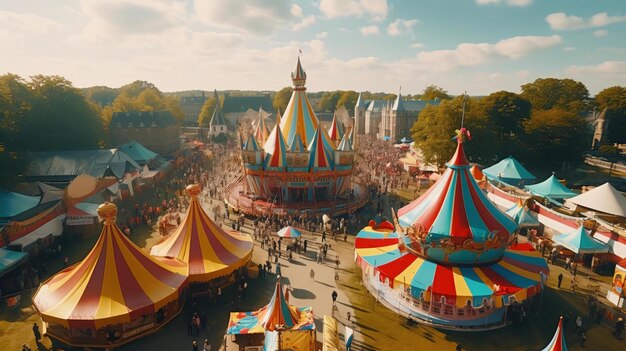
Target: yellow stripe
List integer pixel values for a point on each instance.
(519, 271)
(375, 251)
(409, 272)
(111, 299)
(462, 290)
(484, 278)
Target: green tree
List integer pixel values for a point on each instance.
(506, 113)
(433, 92)
(207, 111)
(135, 88)
(101, 95)
(554, 136)
(563, 94)
(348, 99)
(614, 100)
(328, 102)
(281, 99)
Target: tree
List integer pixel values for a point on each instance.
(554, 136)
(135, 88)
(563, 94)
(433, 92)
(143, 96)
(281, 99)
(328, 102)
(614, 100)
(347, 99)
(101, 95)
(206, 112)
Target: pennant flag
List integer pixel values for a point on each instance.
(349, 337)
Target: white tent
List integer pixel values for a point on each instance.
(604, 198)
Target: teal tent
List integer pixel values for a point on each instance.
(580, 242)
(552, 188)
(138, 152)
(522, 216)
(10, 259)
(12, 204)
(509, 171)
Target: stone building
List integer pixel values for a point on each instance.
(191, 106)
(217, 124)
(236, 107)
(156, 130)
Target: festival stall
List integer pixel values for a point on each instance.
(116, 294)
(580, 242)
(212, 253)
(450, 261)
(551, 188)
(276, 326)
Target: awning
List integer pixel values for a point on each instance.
(54, 227)
(510, 171)
(579, 241)
(10, 259)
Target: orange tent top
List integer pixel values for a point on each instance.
(477, 173)
(115, 283)
(210, 251)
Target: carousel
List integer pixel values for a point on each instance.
(213, 255)
(276, 326)
(299, 166)
(451, 260)
(116, 294)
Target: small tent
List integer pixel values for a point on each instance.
(558, 340)
(509, 171)
(580, 242)
(604, 198)
(551, 188)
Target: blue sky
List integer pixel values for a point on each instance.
(478, 46)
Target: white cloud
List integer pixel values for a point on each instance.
(19, 23)
(561, 21)
(473, 54)
(601, 33)
(569, 48)
(417, 45)
(399, 26)
(609, 68)
(261, 17)
(375, 9)
(296, 10)
(210, 42)
(321, 35)
(369, 30)
(306, 21)
(518, 3)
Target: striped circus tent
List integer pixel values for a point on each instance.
(251, 144)
(210, 251)
(297, 145)
(558, 340)
(320, 151)
(278, 311)
(115, 283)
(335, 132)
(299, 117)
(517, 274)
(275, 150)
(260, 132)
(456, 209)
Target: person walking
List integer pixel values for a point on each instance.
(560, 280)
(583, 339)
(619, 327)
(334, 296)
(207, 346)
(305, 244)
(312, 274)
(36, 332)
(579, 324)
(194, 346)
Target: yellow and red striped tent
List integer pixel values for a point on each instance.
(209, 250)
(115, 283)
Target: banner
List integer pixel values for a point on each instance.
(616, 292)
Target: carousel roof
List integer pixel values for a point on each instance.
(299, 117)
(277, 313)
(117, 282)
(297, 145)
(456, 208)
(516, 275)
(551, 187)
(210, 251)
(579, 241)
(345, 144)
(251, 144)
(335, 132)
(320, 149)
(260, 131)
(558, 340)
(276, 149)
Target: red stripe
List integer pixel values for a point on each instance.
(366, 243)
(430, 214)
(490, 221)
(392, 269)
(459, 226)
(443, 284)
(506, 287)
(412, 205)
(134, 296)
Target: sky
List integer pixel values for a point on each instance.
(478, 46)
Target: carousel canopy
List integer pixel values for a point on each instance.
(551, 187)
(345, 144)
(116, 283)
(297, 145)
(276, 149)
(579, 241)
(277, 313)
(604, 198)
(558, 340)
(510, 171)
(456, 208)
(522, 216)
(299, 117)
(516, 275)
(251, 144)
(210, 251)
(289, 232)
(335, 132)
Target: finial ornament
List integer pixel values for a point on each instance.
(108, 212)
(462, 134)
(193, 190)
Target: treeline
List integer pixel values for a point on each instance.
(549, 123)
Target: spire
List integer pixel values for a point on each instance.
(297, 145)
(345, 144)
(335, 132)
(360, 103)
(251, 144)
(398, 105)
(298, 77)
(278, 312)
(320, 156)
(459, 159)
(275, 149)
(218, 117)
(260, 132)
